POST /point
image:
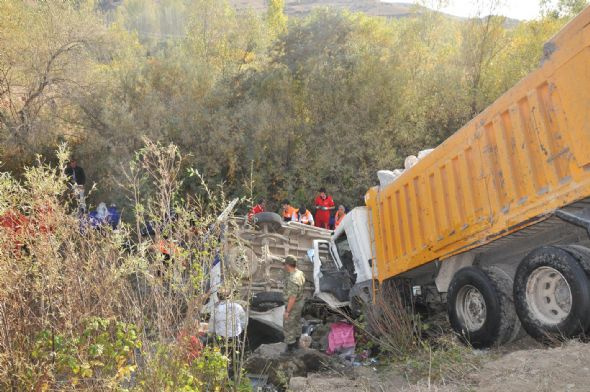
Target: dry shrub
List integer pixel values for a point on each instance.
(391, 321)
(444, 361)
(432, 361)
(98, 309)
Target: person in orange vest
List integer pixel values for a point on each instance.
(323, 204)
(302, 215)
(340, 214)
(287, 210)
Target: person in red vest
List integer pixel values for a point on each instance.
(257, 209)
(323, 204)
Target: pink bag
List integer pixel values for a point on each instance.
(341, 336)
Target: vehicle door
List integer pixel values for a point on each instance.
(332, 281)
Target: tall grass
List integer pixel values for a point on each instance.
(391, 321)
(103, 309)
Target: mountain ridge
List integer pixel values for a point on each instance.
(304, 7)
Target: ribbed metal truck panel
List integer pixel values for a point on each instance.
(526, 155)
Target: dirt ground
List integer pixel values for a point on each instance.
(522, 367)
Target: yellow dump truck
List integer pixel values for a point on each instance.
(495, 221)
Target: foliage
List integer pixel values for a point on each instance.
(444, 361)
(277, 20)
(104, 349)
(328, 99)
(562, 8)
(392, 323)
(169, 370)
(81, 307)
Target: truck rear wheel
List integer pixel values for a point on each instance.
(552, 295)
(480, 307)
(582, 254)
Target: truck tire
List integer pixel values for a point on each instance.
(552, 295)
(581, 253)
(266, 300)
(504, 284)
(272, 220)
(480, 308)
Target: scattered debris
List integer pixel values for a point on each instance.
(341, 338)
(271, 360)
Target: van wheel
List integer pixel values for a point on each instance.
(242, 260)
(480, 308)
(266, 300)
(271, 220)
(552, 295)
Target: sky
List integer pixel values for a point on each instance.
(516, 9)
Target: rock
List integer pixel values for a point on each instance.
(298, 384)
(386, 177)
(271, 350)
(305, 341)
(271, 360)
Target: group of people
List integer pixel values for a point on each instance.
(323, 205)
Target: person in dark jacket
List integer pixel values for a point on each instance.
(77, 179)
(76, 173)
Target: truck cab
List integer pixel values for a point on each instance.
(342, 266)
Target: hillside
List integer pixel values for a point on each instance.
(369, 7)
(304, 7)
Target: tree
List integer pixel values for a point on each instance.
(483, 37)
(327, 99)
(45, 49)
(276, 18)
(563, 8)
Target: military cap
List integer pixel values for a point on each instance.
(290, 260)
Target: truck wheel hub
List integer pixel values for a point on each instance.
(549, 295)
(471, 308)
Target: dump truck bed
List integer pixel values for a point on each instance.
(526, 155)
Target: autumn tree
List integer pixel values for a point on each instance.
(46, 49)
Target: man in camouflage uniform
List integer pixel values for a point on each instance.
(293, 296)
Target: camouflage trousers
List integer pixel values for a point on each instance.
(292, 324)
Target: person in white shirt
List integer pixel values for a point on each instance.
(229, 318)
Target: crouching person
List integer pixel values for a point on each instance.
(229, 318)
(228, 323)
(293, 296)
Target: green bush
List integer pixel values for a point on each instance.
(105, 349)
(84, 308)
